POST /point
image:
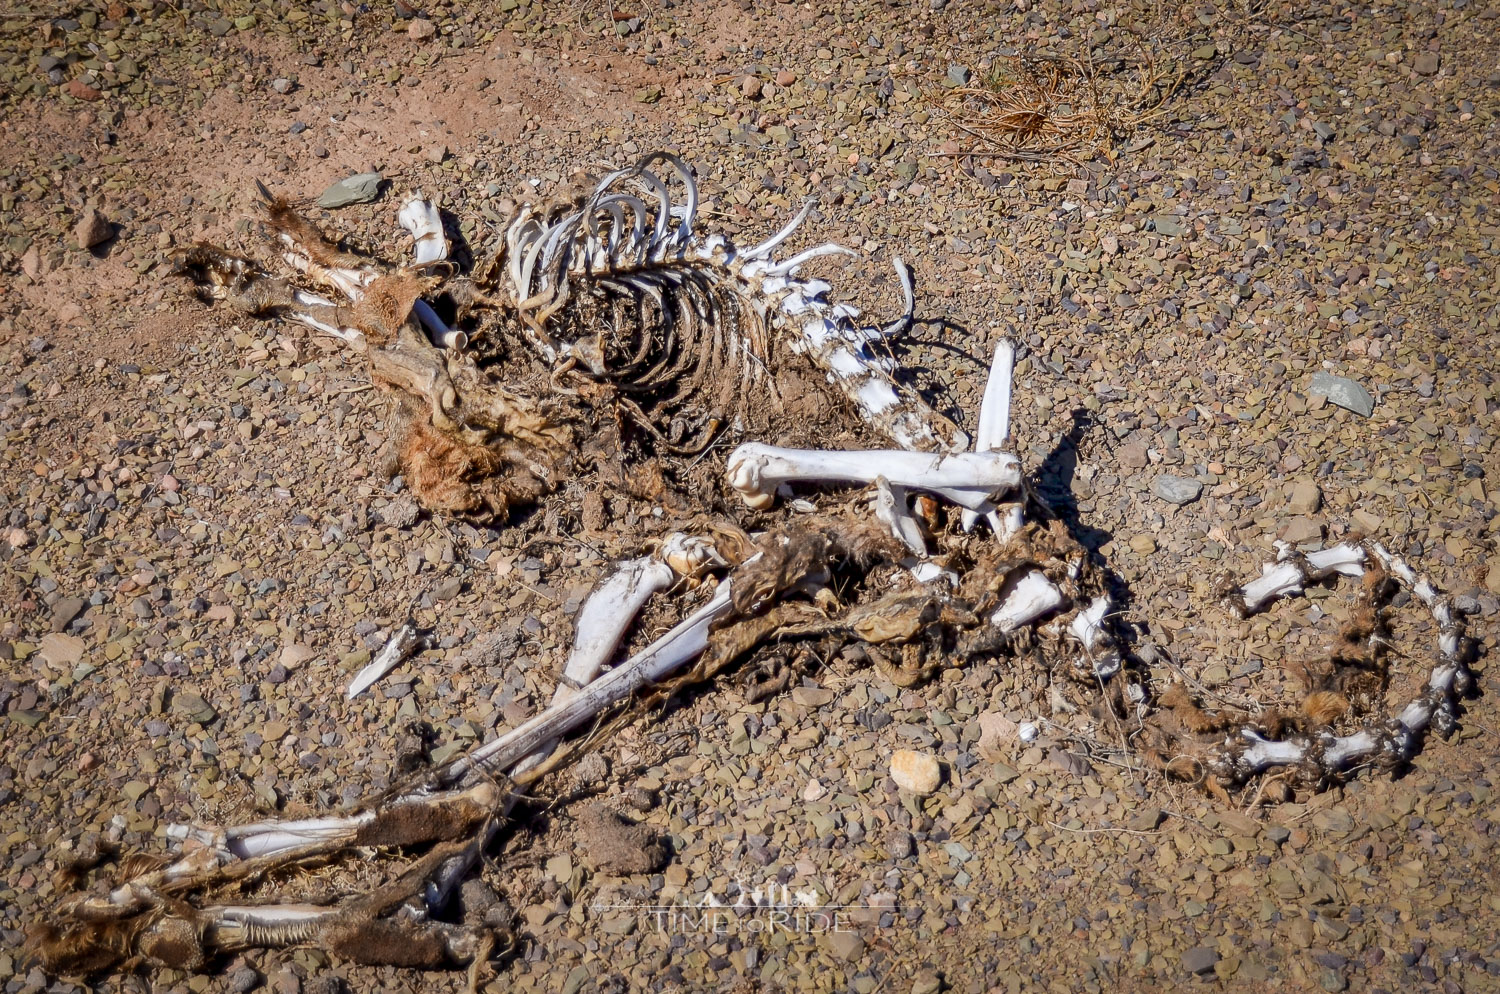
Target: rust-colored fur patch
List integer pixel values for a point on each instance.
(447, 475)
(1325, 707)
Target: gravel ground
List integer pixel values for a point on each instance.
(199, 545)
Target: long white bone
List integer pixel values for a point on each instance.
(966, 478)
(990, 436)
(664, 656)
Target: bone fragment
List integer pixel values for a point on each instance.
(422, 220)
(968, 479)
(608, 613)
(1292, 572)
(401, 645)
(893, 509)
(1029, 598)
(1088, 628)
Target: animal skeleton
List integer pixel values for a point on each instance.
(608, 331)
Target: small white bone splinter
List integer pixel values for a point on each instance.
(969, 479)
(401, 645)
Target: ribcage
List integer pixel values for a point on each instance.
(622, 292)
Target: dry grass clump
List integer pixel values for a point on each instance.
(1041, 108)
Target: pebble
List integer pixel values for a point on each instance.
(360, 188)
(1176, 489)
(918, 772)
(92, 228)
(1344, 392)
(1306, 498)
(243, 979)
(1199, 959)
(420, 29)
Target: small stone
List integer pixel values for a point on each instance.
(61, 651)
(812, 697)
(282, 85)
(1305, 499)
(751, 87)
(293, 656)
(92, 228)
(899, 845)
(813, 791)
(243, 981)
(1145, 820)
(79, 90)
(437, 153)
(420, 29)
(1132, 455)
(927, 982)
(358, 189)
(195, 707)
(17, 538)
(1176, 489)
(1142, 544)
(996, 734)
(785, 78)
(31, 262)
(1199, 959)
(842, 944)
(65, 610)
(1300, 530)
(958, 75)
(1492, 579)
(1426, 64)
(917, 772)
(1344, 392)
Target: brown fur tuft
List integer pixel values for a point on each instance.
(1325, 707)
(447, 475)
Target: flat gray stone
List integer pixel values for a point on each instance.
(1176, 489)
(360, 188)
(1344, 392)
(958, 75)
(1199, 959)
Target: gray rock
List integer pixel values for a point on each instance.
(1176, 489)
(1344, 392)
(958, 75)
(243, 980)
(1426, 64)
(1199, 959)
(360, 188)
